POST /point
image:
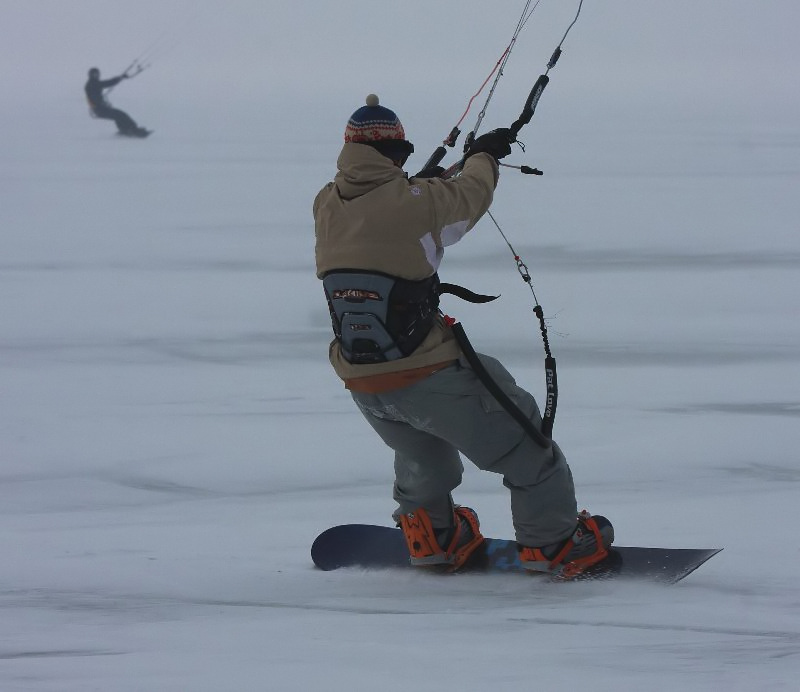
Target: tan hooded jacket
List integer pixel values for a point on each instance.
(373, 218)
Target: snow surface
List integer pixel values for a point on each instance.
(172, 438)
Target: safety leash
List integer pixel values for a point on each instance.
(539, 436)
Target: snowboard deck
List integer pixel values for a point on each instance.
(141, 133)
(383, 547)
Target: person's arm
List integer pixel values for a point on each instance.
(461, 201)
(108, 83)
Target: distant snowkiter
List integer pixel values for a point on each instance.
(100, 108)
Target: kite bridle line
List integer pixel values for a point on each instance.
(528, 110)
(450, 140)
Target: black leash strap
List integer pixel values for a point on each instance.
(465, 293)
(551, 378)
(494, 389)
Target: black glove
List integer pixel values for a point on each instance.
(431, 172)
(496, 143)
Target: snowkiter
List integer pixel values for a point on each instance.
(380, 238)
(100, 108)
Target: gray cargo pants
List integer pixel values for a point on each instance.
(429, 422)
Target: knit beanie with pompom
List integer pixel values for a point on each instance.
(373, 123)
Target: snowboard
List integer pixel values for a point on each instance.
(141, 133)
(382, 547)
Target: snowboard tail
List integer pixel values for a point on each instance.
(383, 547)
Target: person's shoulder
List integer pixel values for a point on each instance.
(322, 195)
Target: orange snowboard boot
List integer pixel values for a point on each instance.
(566, 559)
(425, 543)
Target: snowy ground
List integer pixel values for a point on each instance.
(172, 438)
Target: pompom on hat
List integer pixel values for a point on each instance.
(373, 123)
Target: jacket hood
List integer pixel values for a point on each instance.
(362, 169)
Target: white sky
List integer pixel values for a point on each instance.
(727, 57)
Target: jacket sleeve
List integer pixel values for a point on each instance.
(108, 83)
(459, 203)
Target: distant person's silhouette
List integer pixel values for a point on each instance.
(100, 108)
